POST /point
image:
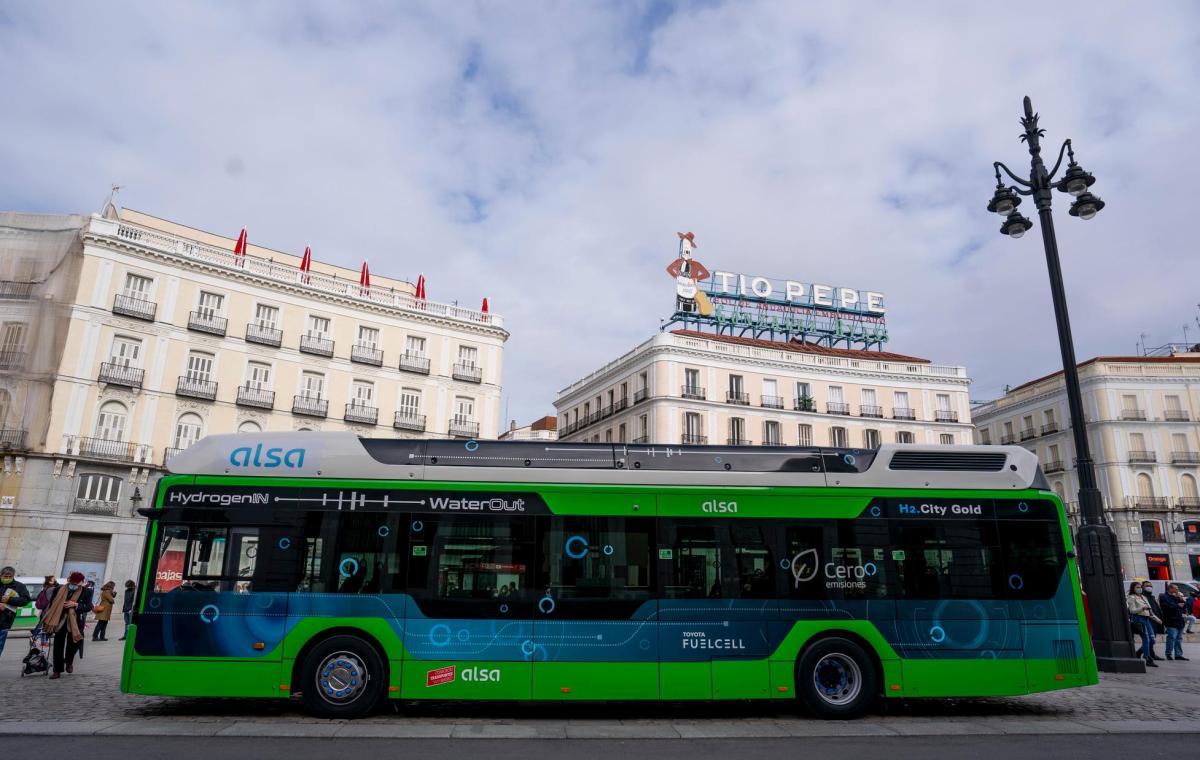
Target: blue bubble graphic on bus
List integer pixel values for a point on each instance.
(848, 459)
(209, 613)
(437, 632)
(352, 564)
(418, 526)
(876, 511)
(472, 445)
(1016, 582)
(285, 543)
(608, 550)
(582, 547)
(546, 605)
(937, 634)
(384, 531)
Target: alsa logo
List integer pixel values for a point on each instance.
(481, 674)
(274, 457)
(718, 506)
(439, 676)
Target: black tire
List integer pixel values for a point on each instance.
(342, 677)
(836, 679)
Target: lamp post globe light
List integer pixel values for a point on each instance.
(1099, 561)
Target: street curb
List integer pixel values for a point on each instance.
(597, 730)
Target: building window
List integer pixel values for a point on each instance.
(249, 426)
(643, 381)
(1187, 487)
(947, 439)
(188, 430)
(1053, 453)
(625, 392)
(621, 433)
(691, 381)
(644, 426)
(137, 286)
(803, 391)
(900, 400)
(464, 409)
(468, 356)
(771, 435)
(266, 316)
(258, 376)
(318, 327)
(608, 436)
(904, 436)
(985, 436)
(199, 367)
(737, 431)
(12, 341)
(312, 385)
(410, 402)
(126, 352)
(1137, 442)
(110, 422)
(1179, 442)
(368, 337)
(1152, 531)
(837, 437)
(1008, 432)
(96, 487)
(1048, 416)
(735, 385)
(835, 395)
(414, 345)
(362, 393)
(868, 396)
(209, 305)
(871, 439)
(806, 435)
(692, 427)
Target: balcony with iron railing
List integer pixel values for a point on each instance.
(942, 415)
(467, 372)
(641, 395)
(606, 411)
(11, 359)
(363, 353)
(170, 453)
(804, 404)
(1186, 458)
(361, 413)
(870, 410)
(317, 345)
(1054, 466)
(738, 442)
(837, 407)
(196, 387)
(1049, 427)
(133, 306)
(95, 507)
(15, 291)
(1133, 415)
(694, 392)
(1007, 439)
(1176, 415)
(693, 440)
(903, 413)
(1028, 434)
(737, 397)
(772, 402)
(207, 322)
(418, 363)
(1150, 502)
(12, 438)
(259, 398)
(264, 335)
(462, 427)
(1188, 502)
(621, 404)
(119, 374)
(103, 448)
(310, 406)
(406, 420)
(1137, 456)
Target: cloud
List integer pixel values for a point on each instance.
(544, 155)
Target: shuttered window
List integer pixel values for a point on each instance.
(87, 547)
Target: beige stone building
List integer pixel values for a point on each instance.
(687, 387)
(1141, 414)
(126, 338)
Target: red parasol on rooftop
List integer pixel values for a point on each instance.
(364, 277)
(306, 262)
(239, 249)
(420, 294)
(485, 310)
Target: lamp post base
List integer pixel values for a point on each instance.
(1100, 571)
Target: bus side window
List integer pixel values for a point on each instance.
(1034, 557)
(753, 567)
(595, 567)
(359, 562)
(694, 566)
(469, 567)
(947, 559)
(169, 558)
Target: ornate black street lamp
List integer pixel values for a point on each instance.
(1099, 560)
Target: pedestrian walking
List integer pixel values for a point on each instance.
(127, 607)
(1194, 609)
(103, 610)
(13, 594)
(1156, 625)
(49, 583)
(64, 620)
(1174, 615)
(1141, 618)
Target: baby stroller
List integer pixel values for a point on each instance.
(37, 662)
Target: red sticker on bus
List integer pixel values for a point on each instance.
(439, 676)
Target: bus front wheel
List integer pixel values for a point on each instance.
(343, 677)
(836, 679)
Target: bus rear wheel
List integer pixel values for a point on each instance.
(342, 677)
(836, 679)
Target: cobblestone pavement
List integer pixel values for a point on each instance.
(1166, 698)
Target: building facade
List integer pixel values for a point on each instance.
(141, 336)
(688, 387)
(1141, 415)
(544, 429)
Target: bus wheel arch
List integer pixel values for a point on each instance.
(353, 670)
(849, 667)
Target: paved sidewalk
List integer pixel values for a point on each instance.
(1166, 699)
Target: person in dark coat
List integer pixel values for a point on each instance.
(13, 594)
(1174, 617)
(64, 620)
(127, 607)
(1156, 627)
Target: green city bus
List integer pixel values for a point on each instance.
(354, 570)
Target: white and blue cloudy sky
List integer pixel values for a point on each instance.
(543, 154)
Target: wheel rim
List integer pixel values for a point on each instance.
(341, 678)
(837, 678)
